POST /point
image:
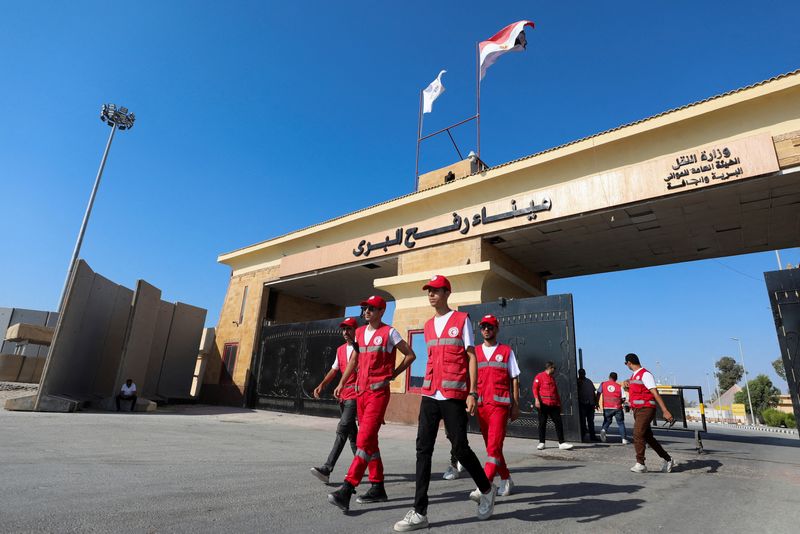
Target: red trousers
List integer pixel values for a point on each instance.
(493, 421)
(370, 407)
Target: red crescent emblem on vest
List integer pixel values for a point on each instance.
(453, 332)
(499, 357)
(377, 340)
(611, 389)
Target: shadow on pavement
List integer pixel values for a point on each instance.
(574, 501)
(711, 466)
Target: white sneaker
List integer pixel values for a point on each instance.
(486, 504)
(603, 435)
(667, 466)
(506, 488)
(412, 521)
(475, 495)
(540, 446)
(565, 446)
(451, 473)
(639, 468)
(625, 441)
(461, 468)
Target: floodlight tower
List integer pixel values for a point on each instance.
(117, 118)
(746, 382)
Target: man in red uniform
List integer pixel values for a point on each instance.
(498, 400)
(347, 428)
(548, 403)
(643, 396)
(449, 393)
(611, 392)
(375, 361)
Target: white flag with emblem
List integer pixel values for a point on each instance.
(431, 93)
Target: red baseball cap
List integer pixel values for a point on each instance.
(352, 323)
(437, 282)
(375, 301)
(490, 319)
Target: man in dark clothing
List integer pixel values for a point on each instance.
(586, 405)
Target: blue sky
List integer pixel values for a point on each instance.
(258, 118)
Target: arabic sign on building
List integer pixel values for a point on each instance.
(460, 224)
(719, 163)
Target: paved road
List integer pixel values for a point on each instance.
(204, 469)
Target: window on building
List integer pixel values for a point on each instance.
(229, 353)
(416, 339)
(244, 301)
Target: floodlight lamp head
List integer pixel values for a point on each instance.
(119, 117)
(472, 156)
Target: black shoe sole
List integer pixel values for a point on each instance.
(370, 501)
(320, 476)
(333, 501)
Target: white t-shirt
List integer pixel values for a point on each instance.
(648, 380)
(513, 368)
(335, 365)
(125, 390)
(466, 336)
(394, 337)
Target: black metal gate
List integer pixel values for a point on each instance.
(538, 329)
(292, 360)
(784, 296)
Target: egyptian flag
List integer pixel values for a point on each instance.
(509, 39)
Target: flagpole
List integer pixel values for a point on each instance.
(478, 94)
(419, 134)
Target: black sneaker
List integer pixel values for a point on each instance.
(322, 473)
(341, 497)
(376, 493)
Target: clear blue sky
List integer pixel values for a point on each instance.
(258, 118)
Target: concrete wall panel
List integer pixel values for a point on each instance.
(52, 321)
(136, 352)
(180, 357)
(5, 322)
(20, 315)
(111, 355)
(158, 347)
(10, 366)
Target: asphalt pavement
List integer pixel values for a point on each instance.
(212, 469)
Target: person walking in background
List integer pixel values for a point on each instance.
(586, 406)
(347, 428)
(643, 399)
(611, 393)
(548, 404)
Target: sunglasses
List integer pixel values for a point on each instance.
(487, 327)
(369, 308)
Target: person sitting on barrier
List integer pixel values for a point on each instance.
(127, 392)
(347, 428)
(643, 398)
(586, 405)
(611, 392)
(548, 403)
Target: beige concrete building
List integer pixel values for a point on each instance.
(710, 179)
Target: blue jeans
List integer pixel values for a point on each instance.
(609, 414)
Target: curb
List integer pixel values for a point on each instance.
(770, 429)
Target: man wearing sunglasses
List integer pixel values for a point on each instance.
(643, 397)
(498, 400)
(377, 343)
(347, 428)
(449, 393)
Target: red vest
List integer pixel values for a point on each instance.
(639, 395)
(612, 395)
(494, 384)
(375, 365)
(349, 388)
(448, 363)
(545, 389)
